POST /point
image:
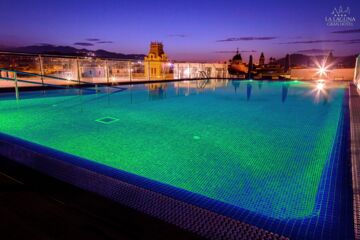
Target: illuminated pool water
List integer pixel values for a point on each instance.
(261, 147)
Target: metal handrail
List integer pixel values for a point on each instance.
(67, 56)
(132, 60)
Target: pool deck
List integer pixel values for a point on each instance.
(40, 207)
(354, 105)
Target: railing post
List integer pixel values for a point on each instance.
(189, 71)
(178, 70)
(107, 72)
(130, 70)
(41, 69)
(203, 68)
(16, 86)
(78, 70)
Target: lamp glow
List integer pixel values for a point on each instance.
(322, 70)
(320, 86)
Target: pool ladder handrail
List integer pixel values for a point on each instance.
(206, 76)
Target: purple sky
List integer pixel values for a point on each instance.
(190, 30)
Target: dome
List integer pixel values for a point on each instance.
(237, 56)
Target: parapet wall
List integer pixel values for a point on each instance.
(312, 74)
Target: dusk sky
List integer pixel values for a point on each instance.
(190, 30)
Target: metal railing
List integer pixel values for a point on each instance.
(12, 76)
(101, 70)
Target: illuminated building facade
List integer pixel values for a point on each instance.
(155, 61)
(237, 67)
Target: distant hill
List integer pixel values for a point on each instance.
(71, 51)
(305, 60)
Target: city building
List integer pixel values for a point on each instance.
(154, 62)
(272, 70)
(237, 67)
(262, 60)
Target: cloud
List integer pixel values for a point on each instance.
(84, 44)
(96, 40)
(346, 41)
(311, 41)
(348, 31)
(241, 51)
(248, 51)
(353, 41)
(315, 51)
(178, 35)
(236, 39)
(45, 44)
(93, 39)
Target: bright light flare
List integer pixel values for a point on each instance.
(322, 71)
(319, 91)
(68, 76)
(323, 68)
(320, 86)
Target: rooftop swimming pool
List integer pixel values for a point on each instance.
(270, 154)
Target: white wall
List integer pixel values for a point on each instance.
(334, 74)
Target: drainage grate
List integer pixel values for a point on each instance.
(107, 120)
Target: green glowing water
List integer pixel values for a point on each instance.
(258, 146)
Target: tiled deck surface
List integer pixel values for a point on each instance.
(355, 153)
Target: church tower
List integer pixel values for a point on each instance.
(262, 60)
(154, 62)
